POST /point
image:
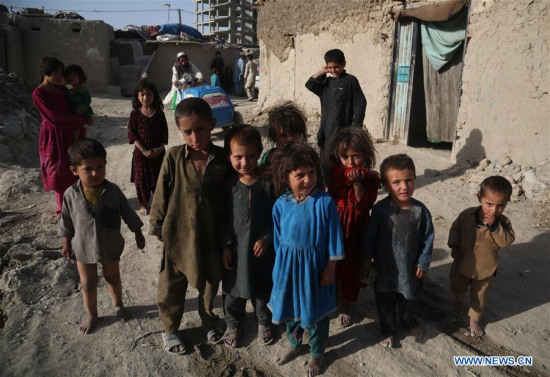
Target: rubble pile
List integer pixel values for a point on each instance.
(19, 122)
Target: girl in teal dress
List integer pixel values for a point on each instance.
(308, 242)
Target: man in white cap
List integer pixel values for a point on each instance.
(181, 67)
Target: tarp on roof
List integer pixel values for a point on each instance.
(440, 11)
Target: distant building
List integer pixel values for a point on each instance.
(232, 20)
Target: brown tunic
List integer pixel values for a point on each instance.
(184, 213)
(479, 246)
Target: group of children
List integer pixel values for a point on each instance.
(275, 229)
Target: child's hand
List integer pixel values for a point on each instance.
(327, 276)
(259, 248)
(140, 240)
(227, 258)
(355, 175)
(66, 250)
(489, 219)
(147, 153)
(420, 273)
(455, 254)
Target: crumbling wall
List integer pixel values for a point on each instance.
(294, 36)
(85, 43)
(505, 105)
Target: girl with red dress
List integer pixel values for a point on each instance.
(148, 131)
(56, 130)
(354, 187)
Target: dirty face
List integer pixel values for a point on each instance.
(195, 131)
(351, 158)
(400, 185)
(91, 172)
(283, 136)
(244, 158)
(493, 203)
(302, 181)
(145, 97)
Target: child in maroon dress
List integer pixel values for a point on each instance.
(56, 131)
(354, 188)
(148, 130)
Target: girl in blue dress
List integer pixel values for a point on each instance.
(308, 242)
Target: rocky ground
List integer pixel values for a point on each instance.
(41, 306)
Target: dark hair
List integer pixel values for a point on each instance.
(49, 64)
(290, 157)
(76, 69)
(396, 162)
(353, 138)
(85, 148)
(218, 53)
(146, 84)
(497, 184)
(336, 56)
(289, 117)
(250, 56)
(244, 134)
(215, 70)
(193, 105)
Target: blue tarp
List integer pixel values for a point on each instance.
(176, 29)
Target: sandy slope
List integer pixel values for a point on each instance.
(42, 306)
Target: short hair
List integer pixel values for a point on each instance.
(193, 105)
(496, 184)
(290, 157)
(146, 84)
(250, 56)
(289, 117)
(353, 138)
(76, 69)
(49, 64)
(85, 148)
(336, 56)
(243, 134)
(396, 162)
(218, 53)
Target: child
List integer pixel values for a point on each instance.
(400, 238)
(247, 233)
(342, 101)
(354, 188)
(250, 71)
(215, 79)
(308, 241)
(79, 96)
(475, 238)
(56, 131)
(183, 216)
(285, 122)
(148, 130)
(90, 227)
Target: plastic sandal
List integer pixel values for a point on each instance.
(173, 340)
(265, 335)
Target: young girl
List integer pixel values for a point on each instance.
(56, 131)
(308, 241)
(79, 96)
(148, 130)
(354, 187)
(285, 122)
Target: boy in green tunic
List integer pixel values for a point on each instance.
(183, 216)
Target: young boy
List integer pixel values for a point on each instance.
(400, 238)
(246, 234)
(183, 216)
(90, 227)
(343, 103)
(475, 238)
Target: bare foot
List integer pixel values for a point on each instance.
(418, 333)
(387, 342)
(143, 211)
(122, 313)
(314, 366)
(475, 328)
(87, 326)
(287, 355)
(344, 319)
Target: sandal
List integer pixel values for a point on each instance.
(171, 341)
(231, 338)
(214, 336)
(265, 335)
(344, 320)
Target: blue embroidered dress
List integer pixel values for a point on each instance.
(306, 236)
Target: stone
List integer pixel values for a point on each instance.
(506, 161)
(431, 172)
(534, 189)
(483, 164)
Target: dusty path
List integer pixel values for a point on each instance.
(42, 306)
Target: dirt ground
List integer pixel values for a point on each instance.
(41, 305)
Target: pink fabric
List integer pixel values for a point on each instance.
(56, 135)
